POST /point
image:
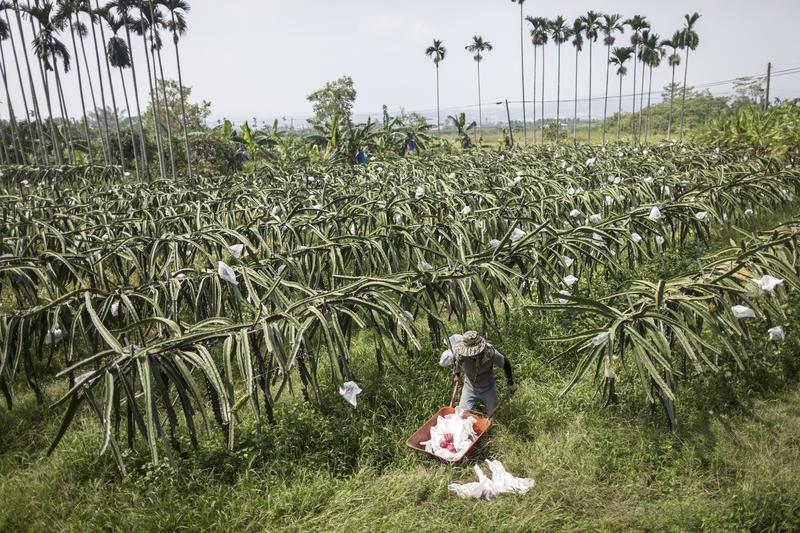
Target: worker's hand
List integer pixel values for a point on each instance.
(456, 378)
(513, 388)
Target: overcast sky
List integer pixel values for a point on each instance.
(263, 57)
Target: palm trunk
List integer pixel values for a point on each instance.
(15, 135)
(104, 137)
(4, 157)
(59, 94)
(641, 106)
(575, 114)
(649, 95)
(34, 100)
(605, 104)
(101, 122)
(170, 139)
(153, 102)
(80, 89)
(438, 116)
(153, 52)
(543, 121)
(183, 105)
(590, 90)
(31, 134)
(671, 99)
(15, 145)
(67, 134)
(522, 71)
(558, 97)
(143, 144)
(62, 104)
(633, 110)
(113, 97)
(619, 112)
(130, 118)
(683, 98)
(535, 48)
(480, 105)
(54, 139)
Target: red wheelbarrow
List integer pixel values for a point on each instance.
(481, 426)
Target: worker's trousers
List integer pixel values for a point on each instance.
(469, 396)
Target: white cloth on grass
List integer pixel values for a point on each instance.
(349, 390)
(502, 482)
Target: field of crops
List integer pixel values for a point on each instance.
(178, 310)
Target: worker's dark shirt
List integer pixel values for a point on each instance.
(479, 372)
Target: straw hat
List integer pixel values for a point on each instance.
(471, 345)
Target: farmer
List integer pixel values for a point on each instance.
(476, 359)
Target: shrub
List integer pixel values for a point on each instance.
(776, 130)
(212, 154)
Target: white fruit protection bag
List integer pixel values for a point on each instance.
(502, 482)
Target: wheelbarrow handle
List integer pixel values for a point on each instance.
(455, 390)
(496, 407)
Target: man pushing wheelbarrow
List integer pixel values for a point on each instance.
(474, 361)
(451, 433)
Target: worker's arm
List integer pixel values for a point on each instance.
(501, 360)
(456, 371)
(507, 371)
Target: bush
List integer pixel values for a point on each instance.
(775, 131)
(212, 154)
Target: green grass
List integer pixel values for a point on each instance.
(734, 462)
(493, 134)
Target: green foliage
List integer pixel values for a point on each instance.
(132, 143)
(213, 154)
(460, 122)
(748, 91)
(335, 99)
(254, 381)
(152, 335)
(554, 132)
(749, 127)
(701, 107)
(196, 113)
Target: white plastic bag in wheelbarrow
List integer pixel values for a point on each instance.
(452, 436)
(502, 482)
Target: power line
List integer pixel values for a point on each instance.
(775, 73)
(789, 71)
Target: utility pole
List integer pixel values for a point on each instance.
(522, 60)
(769, 75)
(510, 130)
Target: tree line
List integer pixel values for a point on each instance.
(647, 50)
(63, 36)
